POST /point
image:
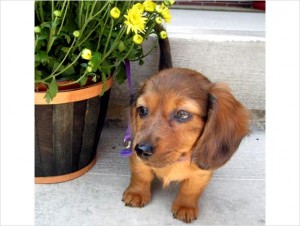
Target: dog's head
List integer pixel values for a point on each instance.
(179, 115)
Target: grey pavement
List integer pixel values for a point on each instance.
(235, 196)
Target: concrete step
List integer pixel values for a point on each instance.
(224, 46)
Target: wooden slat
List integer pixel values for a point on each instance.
(43, 129)
(78, 126)
(62, 137)
(102, 115)
(90, 126)
(38, 172)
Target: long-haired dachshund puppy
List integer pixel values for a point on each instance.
(184, 127)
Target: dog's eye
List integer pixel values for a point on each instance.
(182, 116)
(142, 111)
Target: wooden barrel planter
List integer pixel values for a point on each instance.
(67, 132)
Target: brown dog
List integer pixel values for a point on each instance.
(184, 127)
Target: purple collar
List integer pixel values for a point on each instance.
(126, 152)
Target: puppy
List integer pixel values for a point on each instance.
(184, 127)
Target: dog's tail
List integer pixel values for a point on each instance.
(165, 59)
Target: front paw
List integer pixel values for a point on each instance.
(186, 213)
(135, 198)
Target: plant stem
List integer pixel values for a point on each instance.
(52, 9)
(80, 13)
(109, 35)
(100, 36)
(112, 47)
(36, 41)
(63, 19)
(125, 57)
(63, 60)
(93, 7)
(51, 35)
(89, 20)
(41, 11)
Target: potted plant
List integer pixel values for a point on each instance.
(80, 46)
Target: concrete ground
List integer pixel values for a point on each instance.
(235, 196)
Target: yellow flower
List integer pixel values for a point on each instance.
(159, 8)
(137, 39)
(158, 20)
(139, 7)
(115, 13)
(166, 15)
(135, 20)
(149, 6)
(163, 35)
(86, 54)
(169, 2)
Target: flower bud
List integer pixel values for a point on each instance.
(89, 69)
(163, 35)
(37, 29)
(137, 39)
(57, 13)
(76, 34)
(115, 13)
(86, 54)
(158, 20)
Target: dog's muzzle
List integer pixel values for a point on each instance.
(144, 151)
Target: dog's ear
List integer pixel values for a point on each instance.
(227, 124)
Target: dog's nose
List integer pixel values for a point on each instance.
(144, 151)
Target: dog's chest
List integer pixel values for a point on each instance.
(176, 172)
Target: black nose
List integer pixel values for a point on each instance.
(144, 151)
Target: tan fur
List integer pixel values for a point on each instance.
(185, 151)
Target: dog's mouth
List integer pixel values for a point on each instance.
(161, 162)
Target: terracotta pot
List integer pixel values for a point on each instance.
(67, 132)
(261, 5)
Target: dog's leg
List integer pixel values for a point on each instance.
(138, 193)
(185, 206)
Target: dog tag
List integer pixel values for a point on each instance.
(125, 152)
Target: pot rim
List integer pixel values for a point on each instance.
(74, 94)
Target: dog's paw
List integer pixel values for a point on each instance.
(184, 212)
(135, 199)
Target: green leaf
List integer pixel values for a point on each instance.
(65, 49)
(38, 75)
(83, 81)
(43, 36)
(51, 91)
(69, 71)
(96, 59)
(68, 38)
(121, 46)
(121, 74)
(141, 62)
(42, 57)
(104, 80)
(46, 24)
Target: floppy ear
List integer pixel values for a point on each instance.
(226, 126)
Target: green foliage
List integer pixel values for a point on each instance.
(63, 29)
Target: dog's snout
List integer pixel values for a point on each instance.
(144, 151)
